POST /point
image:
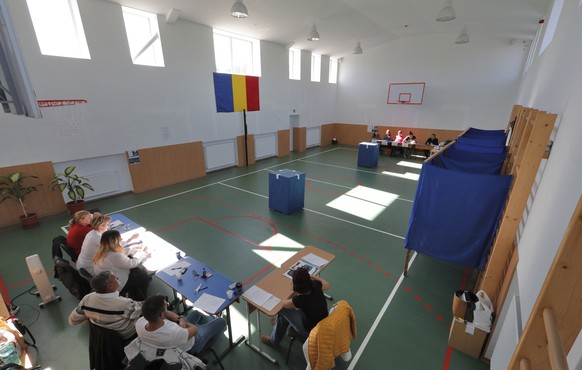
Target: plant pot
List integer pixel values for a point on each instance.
(77, 206)
(30, 221)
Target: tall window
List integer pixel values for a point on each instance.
(58, 28)
(315, 67)
(552, 24)
(333, 64)
(532, 48)
(143, 36)
(294, 64)
(237, 54)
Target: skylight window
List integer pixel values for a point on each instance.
(552, 24)
(294, 64)
(315, 67)
(143, 36)
(58, 28)
(237, 54)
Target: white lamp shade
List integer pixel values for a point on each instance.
(447, 13)
(463, 38)
(358, 49)
(239, 10)
(313, 34)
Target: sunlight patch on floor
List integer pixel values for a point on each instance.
(407, 175)
(373, 195)
(410, 164)
(357, 207)
(281, 249)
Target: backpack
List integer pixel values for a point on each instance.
(71, 278)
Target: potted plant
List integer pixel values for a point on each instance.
(13, 187)
(75, 186)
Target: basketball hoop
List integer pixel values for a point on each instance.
(67, 115)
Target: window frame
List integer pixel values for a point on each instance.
(150, 52)
(294, 64)
(235, 65)
(315, 67)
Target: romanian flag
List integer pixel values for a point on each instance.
(235, 92)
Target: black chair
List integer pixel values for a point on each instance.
(204, 354)
(105, 348)
(71, 278)
(293, 336)
(59, 245)
(85, 274)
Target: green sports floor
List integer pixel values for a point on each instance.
(359, 214)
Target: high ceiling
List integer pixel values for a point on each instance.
(342, 23)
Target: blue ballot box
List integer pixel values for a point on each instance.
(368, 154)
(286, 190)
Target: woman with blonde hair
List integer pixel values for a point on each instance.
(110, 256)
(79, 226)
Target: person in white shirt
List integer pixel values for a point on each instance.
(100, 224)
(161, 328)
(110, 256)
(104, 307)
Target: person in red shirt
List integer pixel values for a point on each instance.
(79, 226)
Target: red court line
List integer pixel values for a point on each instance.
(449, 352)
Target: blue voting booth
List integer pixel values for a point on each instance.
(286, 190)
(368, 155)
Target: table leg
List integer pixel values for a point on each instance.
(249, 343)
(231, 345)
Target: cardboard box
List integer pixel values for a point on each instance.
(463, 338)
(459, 307)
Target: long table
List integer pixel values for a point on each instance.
(278, 286)
(164, 260)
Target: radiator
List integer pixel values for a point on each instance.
(46, 290)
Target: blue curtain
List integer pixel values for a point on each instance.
(455, 214)
(460, 160)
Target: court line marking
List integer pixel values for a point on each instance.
(378, 318)
(321, 213)
(217, 182)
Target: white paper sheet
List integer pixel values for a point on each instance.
(176, 267)
(257, 295)
(271, 303)
(315, 260)
(209, 303)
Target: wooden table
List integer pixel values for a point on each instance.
(279, 286)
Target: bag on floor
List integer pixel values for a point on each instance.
(483, 312)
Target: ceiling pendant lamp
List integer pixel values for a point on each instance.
(239, 10)
(463, 38)
(447, 13)
(313, 34)
(358, 49)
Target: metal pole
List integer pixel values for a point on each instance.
(246, 146)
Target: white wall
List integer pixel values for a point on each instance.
(554, 84)
(131, 106)
(466, 85)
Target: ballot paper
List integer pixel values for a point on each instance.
(315, 260)
(257, 295)
(209, 303)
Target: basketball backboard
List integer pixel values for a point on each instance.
(406, 93)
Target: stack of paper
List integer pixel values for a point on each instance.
(261, 298)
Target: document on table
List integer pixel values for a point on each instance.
(315, 260)
(176, 267)
(271, 303)
(257, 295)
(209, 303)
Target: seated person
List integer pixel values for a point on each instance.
(100, 224)
(432, 140)
(78, 228)
(161, 328)
(388, 136)
(397, 139)
(104, 307)
(388, 139)
(133, 278)
(375, 136)
(307, 297)
(410, 140)
(408, 137)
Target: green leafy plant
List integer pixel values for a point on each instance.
(74, 184)
(13, 187)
